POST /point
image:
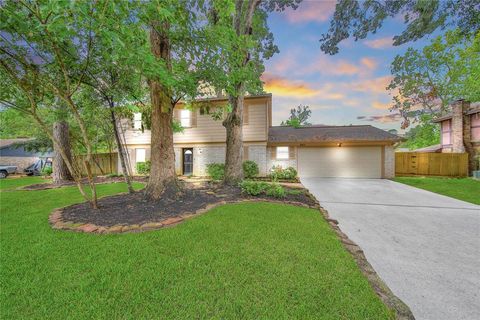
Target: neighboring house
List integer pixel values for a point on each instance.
(460, 130)
(315, 151)
(12, 152)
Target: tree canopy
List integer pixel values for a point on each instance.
(426, 81)
(358, 19)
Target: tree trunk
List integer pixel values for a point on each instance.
(121, 150)
(234, 151)
(162, 170)
(60, 172)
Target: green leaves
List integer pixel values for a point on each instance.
(446, 70)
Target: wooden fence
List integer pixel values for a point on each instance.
(431, 164)
(103, 163)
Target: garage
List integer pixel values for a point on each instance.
(342, 162)
(354, 151)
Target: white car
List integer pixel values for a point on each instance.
(6, 170)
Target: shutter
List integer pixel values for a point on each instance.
(147, 154)
(176, 114)
(193, 119)
(273, 153)
(245, 153)
(291, 153)
(246, 115)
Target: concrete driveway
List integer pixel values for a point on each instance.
(425, 246)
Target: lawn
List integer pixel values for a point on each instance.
(12, 182)
(465, 189)
(251, 260)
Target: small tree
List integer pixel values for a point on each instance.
(46, 53)
(298, 117)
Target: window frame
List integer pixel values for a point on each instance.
(144, 154)
(282, 155)
(182, 118)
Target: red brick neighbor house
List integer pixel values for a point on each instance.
(315, 151)
(460, 130)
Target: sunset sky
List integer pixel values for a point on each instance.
(348, 88)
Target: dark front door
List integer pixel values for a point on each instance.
(187, 161)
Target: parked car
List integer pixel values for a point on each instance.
(37, 168)
(6, 170)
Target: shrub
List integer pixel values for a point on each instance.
(216, 171)
(114, 175)
(275, 190)
(47, 171)
(277, 172)
(253, 188)
(250, 169)
(143, 167)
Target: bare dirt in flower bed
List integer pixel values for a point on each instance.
(134, 209)
(98, 180)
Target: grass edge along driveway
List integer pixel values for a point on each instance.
(465, 189)
(250, 260)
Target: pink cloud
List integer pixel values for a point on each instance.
(379, 43)
(375, 85)
(311, 11)
(369, 63)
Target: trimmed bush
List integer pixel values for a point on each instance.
(47, 171)
(275, 190)
(278, 173)
(143, 167)
(216, 171)
(253, 188)
(250, 169)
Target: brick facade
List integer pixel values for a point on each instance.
(389, 162)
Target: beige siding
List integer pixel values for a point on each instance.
(208, 130)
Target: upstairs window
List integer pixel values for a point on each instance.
(186, 118)
(447, 132)
(137, 121)
(283, 153)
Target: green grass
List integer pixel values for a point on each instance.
(465, 189)
(14, 182)
(252, 260)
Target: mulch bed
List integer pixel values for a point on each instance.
(98, 180)
(134, 213)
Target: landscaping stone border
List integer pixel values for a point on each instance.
(57, 221)
(402, 311)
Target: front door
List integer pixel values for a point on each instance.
(188, 161)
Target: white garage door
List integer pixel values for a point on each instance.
(344, 162)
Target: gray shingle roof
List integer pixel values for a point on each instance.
(364, 133)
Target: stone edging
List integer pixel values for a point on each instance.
(402, 311)
(57, 222)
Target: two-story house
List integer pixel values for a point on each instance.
(315, 151)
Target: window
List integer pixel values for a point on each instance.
(185, 118)
(447, 132)
(282, 153)
(137, 121)
(140, 155)
(475, 124)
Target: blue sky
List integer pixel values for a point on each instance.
(348, 88)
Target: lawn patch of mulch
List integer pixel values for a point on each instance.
(133, 212)
(98, 180)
